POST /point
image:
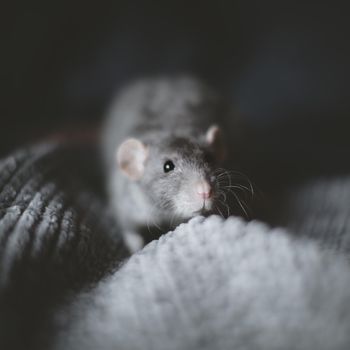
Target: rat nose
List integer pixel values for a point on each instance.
(203, 189)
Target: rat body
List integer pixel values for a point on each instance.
(162, 147)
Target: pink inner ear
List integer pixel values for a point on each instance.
(215, 140)
(213, 134)
(131, 157)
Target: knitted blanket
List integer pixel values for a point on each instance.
(55, 237)
(66, 281)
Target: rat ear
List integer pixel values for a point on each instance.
(131, 157)
(214, 139)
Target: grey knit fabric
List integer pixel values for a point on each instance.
(319, 209)
(66, 283)
(215, 284)
(55, 238)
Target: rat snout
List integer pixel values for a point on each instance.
(203, 189)
(196, 198)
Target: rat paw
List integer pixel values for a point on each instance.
(134, 241)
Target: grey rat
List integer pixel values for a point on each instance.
(162, 146)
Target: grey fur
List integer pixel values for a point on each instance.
(170, 116)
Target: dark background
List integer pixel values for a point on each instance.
(283, 64)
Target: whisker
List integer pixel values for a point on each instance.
(240, 187)
(240, 203)
(227, 181)
(155, 224)
(172, 220)
(148, 227)
(226, 207)
(222, 193)
(217, 208)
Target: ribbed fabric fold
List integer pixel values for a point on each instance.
(55, 236)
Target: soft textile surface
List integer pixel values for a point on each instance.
(210, 284)
(55, 238)
(215, 284)
(319, 209)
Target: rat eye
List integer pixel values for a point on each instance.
(168, 166)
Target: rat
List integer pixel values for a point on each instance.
(163, 146)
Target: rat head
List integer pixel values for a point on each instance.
(176, 174)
